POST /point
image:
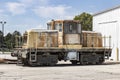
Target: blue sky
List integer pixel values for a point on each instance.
(22, 15)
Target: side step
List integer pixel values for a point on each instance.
(33, 56)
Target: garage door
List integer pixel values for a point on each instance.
(110, 29)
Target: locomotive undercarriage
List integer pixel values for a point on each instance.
(52, 56)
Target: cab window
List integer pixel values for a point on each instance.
(49, 26)
(72, 27)
(58, 26)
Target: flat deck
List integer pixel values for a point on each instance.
(84, 49)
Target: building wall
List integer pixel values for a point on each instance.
(108, 24)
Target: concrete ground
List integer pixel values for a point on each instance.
(63, 71)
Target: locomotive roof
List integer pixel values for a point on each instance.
(64, 21)
(41, 30)
(90, 32)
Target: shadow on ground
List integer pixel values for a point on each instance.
(69, 64)
(66, 64)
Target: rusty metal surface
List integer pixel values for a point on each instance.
(42, 39)
(60, 38)
(71, 46)
(72, 39)
(91, 39)
(51, 38)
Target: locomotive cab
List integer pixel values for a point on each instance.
(69, 33)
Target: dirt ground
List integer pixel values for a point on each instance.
(63, 71)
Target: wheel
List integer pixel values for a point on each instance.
(92, 63)
(33, 64)
(83, 63)
(100, 62)
(25, 62)
(74, 62)
(52, 64)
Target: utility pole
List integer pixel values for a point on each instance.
(3, 23)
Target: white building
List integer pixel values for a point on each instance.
(108, 23)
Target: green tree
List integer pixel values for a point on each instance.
(86, 21)
(1, 34)
(8, 41)
(15, 37)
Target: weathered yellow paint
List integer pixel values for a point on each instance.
(70, 46)
(92, 39)
(37, 39)
(72, 39)
(117, 53)
(59, 39)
